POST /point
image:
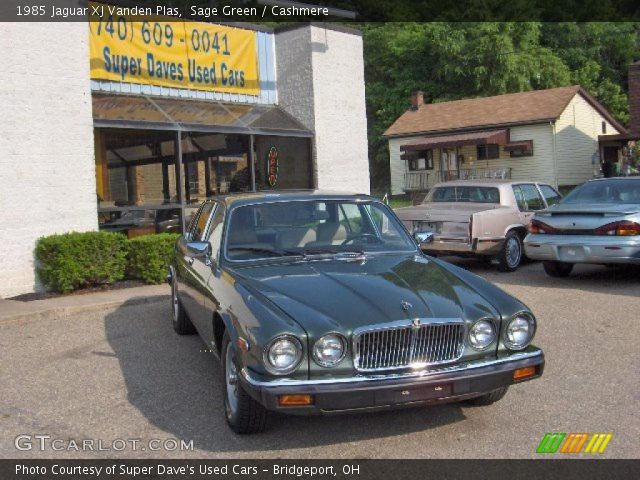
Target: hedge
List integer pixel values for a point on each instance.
(70, 261)
(74, 260)
(149, 256)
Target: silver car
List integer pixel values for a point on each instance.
(599, 223)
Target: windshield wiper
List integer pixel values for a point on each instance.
(257, 250)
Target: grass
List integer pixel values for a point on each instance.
(399, 202)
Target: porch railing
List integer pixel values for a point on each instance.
(475, 174)
(416, 181)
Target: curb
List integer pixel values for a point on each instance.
(59, 312)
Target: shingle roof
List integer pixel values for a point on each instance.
(502, 110)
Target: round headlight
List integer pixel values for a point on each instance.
(329, 350)
(283, 355)
(519, 332)
(482, 334)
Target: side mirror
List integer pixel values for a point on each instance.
(423, 237)
(199, 250)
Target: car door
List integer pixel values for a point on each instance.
(529, 201)
(192, 281)
(217, 283)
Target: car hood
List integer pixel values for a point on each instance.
(341, 295)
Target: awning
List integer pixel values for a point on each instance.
(499, 137)
(144, 112)
(525, 145)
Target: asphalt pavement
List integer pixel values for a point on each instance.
(120, 375)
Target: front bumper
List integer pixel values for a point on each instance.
(379, 392)
(583, 248)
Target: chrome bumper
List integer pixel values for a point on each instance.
(479, 246)
(583, 248)
(395, 390)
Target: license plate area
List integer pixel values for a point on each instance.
(571, 254)
(413, 394)
(420, 226)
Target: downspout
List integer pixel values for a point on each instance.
(555, 159)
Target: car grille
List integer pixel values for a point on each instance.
(401, 346)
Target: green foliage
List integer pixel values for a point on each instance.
(74, 260)
(149, 257)
(454, 60)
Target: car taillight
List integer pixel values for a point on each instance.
(536, 226)
(623, 228)
(470, 228)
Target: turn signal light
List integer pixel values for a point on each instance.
(523, 373)
(295, 400)
(536, 226)
(623, 228)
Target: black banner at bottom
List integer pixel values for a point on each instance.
(291, 469)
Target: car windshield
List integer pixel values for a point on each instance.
(465, 193)
(606, 191)
(313, 227)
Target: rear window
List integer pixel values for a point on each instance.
(606, 191)
(465, 193)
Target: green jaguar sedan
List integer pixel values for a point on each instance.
(322, 303)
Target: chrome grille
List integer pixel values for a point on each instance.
(402, 345)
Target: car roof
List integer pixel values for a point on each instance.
(269, 196)
(483, 183)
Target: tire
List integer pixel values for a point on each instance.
(557, 269)
(488, 398)
(179, 319)
(510, 257)
(244, 415)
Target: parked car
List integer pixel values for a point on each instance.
(478, 217)
(320, 303)
(598, 222)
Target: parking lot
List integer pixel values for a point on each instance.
(124, 374)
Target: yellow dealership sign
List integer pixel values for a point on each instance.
(173, 53)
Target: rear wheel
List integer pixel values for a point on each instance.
(557, 269)
(181, 323)
(488, 398)
(510, 256)
(244, 414)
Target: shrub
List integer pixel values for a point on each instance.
(74, 260)
(149, 256)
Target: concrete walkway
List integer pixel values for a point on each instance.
(12, 310)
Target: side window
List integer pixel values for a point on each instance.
(528, 197)
(200, 224)
(215, 232)
(550, 195)
(350, 216)
(522, 205)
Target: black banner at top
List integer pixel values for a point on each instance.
(274, 12)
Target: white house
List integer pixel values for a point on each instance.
(543, 135)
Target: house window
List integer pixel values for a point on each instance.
(521, 152)
(489, 151)
(604, 127)
(424, 161)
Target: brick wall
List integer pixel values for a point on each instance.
(47, 172)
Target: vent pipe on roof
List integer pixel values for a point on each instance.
(417, 99)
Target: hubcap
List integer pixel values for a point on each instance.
(174, 301)
(513, 252)
(231, 377)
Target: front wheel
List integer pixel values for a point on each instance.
(244, 414)
(557, 269)
(510, 256)
(488, 398)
